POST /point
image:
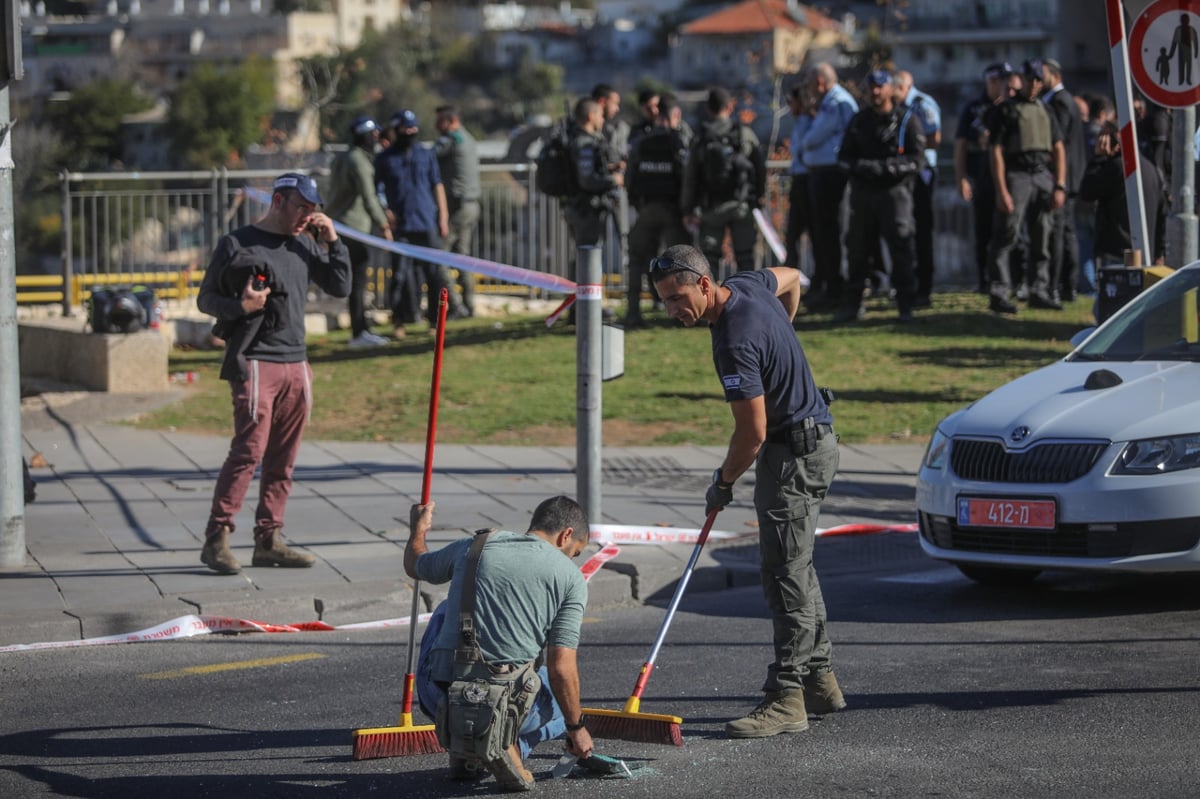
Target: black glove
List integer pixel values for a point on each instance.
(718, 495)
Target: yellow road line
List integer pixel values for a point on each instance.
(217, 667)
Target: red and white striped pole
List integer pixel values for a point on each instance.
(1134, 200)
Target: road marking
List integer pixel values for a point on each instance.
(927, 577)
(218, 667)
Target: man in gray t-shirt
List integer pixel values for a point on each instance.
(528, 597)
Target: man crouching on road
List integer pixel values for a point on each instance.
(527, 598)
(782, 426)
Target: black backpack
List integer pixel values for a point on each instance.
(723, 166)
(555, 176)
(121, 310)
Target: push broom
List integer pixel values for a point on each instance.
(409, 738)
(629, 723)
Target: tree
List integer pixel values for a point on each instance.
(217, 113)
(89, 121)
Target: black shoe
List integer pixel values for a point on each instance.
(1001, 305)
(1044, 301)
(633, 322)
(1068, 296)
(922, 301)
(906, 317)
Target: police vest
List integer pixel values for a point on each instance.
(660, 163)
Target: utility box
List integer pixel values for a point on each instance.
(612, 352)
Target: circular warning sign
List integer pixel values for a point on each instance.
(1164, 53)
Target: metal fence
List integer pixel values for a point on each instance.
(158, 228)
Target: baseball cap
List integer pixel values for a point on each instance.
(1032, 68)
(304, 184)
(879, 77)
(404, 119)
(362, 124)
(1000, 69)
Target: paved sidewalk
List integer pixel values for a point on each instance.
(114, 535)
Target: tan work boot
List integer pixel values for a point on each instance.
(216, 553)
(269, 550)
(777, 713)
(510, 772)
(822, 695)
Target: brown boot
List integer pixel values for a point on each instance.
(510, 772)
(216, 553)
(777, 713)
(269, 550)
(822, 694)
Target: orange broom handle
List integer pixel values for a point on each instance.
(426, 479)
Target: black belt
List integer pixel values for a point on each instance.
(783, 435)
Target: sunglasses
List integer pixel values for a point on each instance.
(668, 266)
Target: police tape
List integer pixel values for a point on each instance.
(468, 263)
(685, 535)
(194, 625)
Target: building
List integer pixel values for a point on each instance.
(751, 42)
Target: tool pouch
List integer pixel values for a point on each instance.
(486, 704)
(802, 437)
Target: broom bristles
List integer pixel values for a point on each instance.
(649, 728)
(379, 742)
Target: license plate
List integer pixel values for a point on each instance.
(1027, 514)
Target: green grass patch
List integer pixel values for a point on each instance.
(512, 381)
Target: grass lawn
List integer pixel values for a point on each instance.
(512, 381)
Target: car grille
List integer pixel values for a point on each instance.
(1128, 539)
(991, 462)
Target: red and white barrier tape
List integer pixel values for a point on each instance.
(685, 535)
(193, 625)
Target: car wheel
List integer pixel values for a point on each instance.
(997, 575)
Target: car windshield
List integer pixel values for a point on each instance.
(1161, 323)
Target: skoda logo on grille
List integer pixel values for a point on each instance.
(1019, 434)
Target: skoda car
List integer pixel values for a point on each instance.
(1091, 463)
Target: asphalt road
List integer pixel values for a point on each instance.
(1073, 686)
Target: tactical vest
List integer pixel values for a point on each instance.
(661, 158)
(1028, 140)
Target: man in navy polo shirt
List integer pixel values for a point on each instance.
(781, 426)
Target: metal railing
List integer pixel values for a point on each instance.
(159, 228)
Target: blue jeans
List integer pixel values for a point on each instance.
(545, 721)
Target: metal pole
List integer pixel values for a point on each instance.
(1181, 226)
(68, 273)
(1119, 53)
(12, 483)
(588, 269)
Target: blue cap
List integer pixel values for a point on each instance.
(362, 124)
(1000, 69)
(879, 77)
(404, 119)
(304, 184)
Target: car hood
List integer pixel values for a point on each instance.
(1153, 398)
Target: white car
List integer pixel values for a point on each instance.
(1090, 463)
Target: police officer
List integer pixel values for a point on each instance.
(929, 114)
(972, 160)
(458, 160)
(883, 150)
(655, 180)
(596, 176)
(724, 182)
(1029, 166)
(1064, 246)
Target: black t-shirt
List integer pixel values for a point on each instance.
(756, 353)
(973, 128)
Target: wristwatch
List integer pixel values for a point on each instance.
(577, 727)
(1059, 187)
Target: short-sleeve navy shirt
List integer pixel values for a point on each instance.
(756, 353)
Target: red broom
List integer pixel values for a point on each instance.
(409, 738)
(628, 724)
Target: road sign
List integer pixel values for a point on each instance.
(1164, 53)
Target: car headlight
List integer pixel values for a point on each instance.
(1159, 455)
(935, 455)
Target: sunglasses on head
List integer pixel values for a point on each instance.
(667, 266)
